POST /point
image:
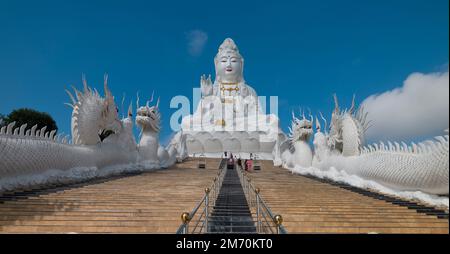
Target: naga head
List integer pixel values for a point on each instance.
(351, 120)
(301, 128)
(148, 118)
(93, 114)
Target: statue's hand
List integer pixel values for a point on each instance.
(206, 85)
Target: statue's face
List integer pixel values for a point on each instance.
(229, 67)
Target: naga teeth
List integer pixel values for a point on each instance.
(382, 146)
(22, 129)
(415, 149)
(52, 134)
(33, 130)
(397, 146)
(404, 147)
(42, 132)
(9, 128)
(376, 146)
(391, 147)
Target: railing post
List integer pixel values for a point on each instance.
(214, 192)
(243, 182)
(186, 218)
(249, 192)
(278, 221)
(218, 186)
(258, 211)
(207, 191)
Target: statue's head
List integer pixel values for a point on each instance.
(149, 117)
(301, 128)
(229, 63)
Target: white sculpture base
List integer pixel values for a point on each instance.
(230, 130)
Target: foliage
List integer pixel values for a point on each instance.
(30, 117)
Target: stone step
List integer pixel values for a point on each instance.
(369, 230)
(143, 203)
(311, 205)
(367, 224)
(85, 229)
(63, 217)
(92, 223)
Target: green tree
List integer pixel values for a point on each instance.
(30, 117)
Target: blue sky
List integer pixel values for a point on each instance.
(301, 51)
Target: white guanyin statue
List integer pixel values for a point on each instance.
(229, 116)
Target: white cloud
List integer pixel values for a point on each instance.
(419, 108)
(196, 42)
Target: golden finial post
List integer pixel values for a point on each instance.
(185, 217)
(278, 219)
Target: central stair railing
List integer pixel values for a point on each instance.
(196, 222)
(266, 221)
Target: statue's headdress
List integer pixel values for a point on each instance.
(228, 45)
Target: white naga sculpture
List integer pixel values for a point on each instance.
(150, 151)
(295, 151)
(229, 117)
(34, 152)
(423, 167)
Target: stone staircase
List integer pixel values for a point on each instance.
(152, 202)
(141, 203)
(231, 213)
(312, 205)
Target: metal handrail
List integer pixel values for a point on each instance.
(206, 203)
(266, 220)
